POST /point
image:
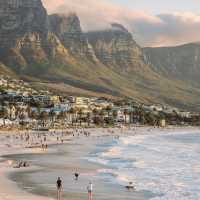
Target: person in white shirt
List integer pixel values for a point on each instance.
(90, 189)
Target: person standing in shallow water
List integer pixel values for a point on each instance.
(76, 174)
(90, 189)
(59, 188)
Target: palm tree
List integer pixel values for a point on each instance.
(125, 115)
(10, 111)
(4, 114)
(95, 112)
(22, 117)
(141, 115)
(29, 110)
(108, 109)
(43, 117)
(131, 114)
(72, 111)
(62, 116)
(115, 114)
(150, 119)
(80, 115)
(102, 114)
(88, 118)
(52, 115)
(33, 115)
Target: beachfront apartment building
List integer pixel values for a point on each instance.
(3, 82)
(55, 99)
(79, 102)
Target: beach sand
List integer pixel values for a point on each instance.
(13, 187)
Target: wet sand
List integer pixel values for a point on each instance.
(23, 183)
(75, 150)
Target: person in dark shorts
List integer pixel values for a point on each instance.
(90, 190)
(76, 174)
(59, 188)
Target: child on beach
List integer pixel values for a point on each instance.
(90, 189)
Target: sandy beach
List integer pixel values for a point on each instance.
(16, 183)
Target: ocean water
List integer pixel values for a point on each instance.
(167, 164)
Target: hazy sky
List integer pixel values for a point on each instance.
(159, 6)
(152, 22)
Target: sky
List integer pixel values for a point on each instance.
(152, 22)
(159, 6)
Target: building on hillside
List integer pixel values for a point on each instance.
(11, 110)
(100, 104)
(184, 114)
(42, 98)
(120, 115)
(55, 99)
(158, 108)
(3, 82)
(162, 123)
(80, 102)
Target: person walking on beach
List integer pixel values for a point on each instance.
(90, 189)
(76, 174)
(59, 188)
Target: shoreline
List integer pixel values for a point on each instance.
(9, 189)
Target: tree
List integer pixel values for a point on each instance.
(4, 114)
(141, 114)
(102, 115)
(96, 118)
(125, 115)
(108, 110)
(88, 118)
(131, 114)
(115, 114)
(95, 112)
(151, 119)
(33, 115)
(62, 116)
(29, 111)
(52, 116)
(72, 111)
(80, 115)
(43, 117)
(22, 117)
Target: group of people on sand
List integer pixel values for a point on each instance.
(22, 164)
(59, 185)
(42, 140)
(89, 188)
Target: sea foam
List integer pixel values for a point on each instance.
(165, 164)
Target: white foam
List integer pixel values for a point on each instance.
(113, 152)
(164, 165)
(97, 160)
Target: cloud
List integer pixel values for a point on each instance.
(166, 29)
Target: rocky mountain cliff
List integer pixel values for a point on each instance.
(23, 32)
(181, 62)
(68, 30)
(52, 51)
(116, 48)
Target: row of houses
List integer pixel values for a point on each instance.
(18, 95)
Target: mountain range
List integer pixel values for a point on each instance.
(52, 51)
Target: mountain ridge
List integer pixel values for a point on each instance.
(52, 51)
